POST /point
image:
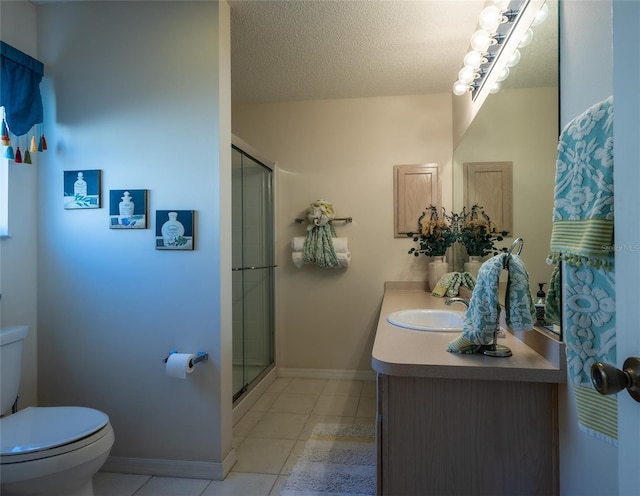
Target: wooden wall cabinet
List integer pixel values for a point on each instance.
(415, 187)
(490, 185)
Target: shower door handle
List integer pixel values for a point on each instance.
(251, 267)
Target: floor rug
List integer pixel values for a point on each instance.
(338, 460)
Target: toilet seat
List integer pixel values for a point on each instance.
(42, 432)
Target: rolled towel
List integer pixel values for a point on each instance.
(343, 258)
(339, 244)
(297, 258)
(297, 243)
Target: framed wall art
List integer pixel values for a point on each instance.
(82, 189)
(128, 209)
(174, 229)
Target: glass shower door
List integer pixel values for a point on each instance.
(253, 270)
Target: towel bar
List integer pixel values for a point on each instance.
(344, 219)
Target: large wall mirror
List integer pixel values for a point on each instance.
(520, 124)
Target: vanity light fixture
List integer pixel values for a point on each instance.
(504, 26)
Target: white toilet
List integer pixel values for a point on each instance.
(52, 451)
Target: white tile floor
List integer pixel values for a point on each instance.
(268, 440)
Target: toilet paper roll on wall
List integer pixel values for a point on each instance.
(179, 365)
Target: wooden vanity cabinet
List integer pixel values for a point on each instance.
(439, 436)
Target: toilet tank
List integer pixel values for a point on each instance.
(11, 343)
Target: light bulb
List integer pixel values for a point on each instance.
(480, 41)
(474, 59)
(541, 15)
(514, 59)
(504, 74)
(460, 88)
(526, 39)
(495, 88)
(466, 75)
(490, 18)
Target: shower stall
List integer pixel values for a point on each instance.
(253, 267)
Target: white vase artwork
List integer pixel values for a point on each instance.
(437, 268)
(172, 230)
(126, 206)
(80, 186)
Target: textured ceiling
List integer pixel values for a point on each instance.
(323, 49)
(319, 49)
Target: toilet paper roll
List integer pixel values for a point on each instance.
(179, 365)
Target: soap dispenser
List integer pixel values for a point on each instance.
(539, 304)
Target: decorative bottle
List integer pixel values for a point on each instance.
(126, 205)
(80, 186)
(539, 304)
(172, 230)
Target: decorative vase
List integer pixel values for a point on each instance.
(473, 265)
(80, 186)
(172, 230)
(126, 206)
(437, 268)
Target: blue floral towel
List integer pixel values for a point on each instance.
(482, 317)
(582, 236)
(583, 204)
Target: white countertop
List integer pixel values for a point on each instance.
(405, 352)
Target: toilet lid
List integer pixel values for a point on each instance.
(40, 428)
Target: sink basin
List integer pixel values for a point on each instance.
(421, 319)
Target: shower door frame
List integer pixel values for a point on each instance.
(239, 392)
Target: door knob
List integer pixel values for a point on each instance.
(609, 380)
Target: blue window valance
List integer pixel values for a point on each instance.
(20, 77)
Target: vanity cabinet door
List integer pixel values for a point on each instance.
(452, 437)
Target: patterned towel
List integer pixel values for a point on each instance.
(583, 198)
(582, 236)
(589, 329)
(552, 301)
(318, 247)
(482, 317)
(449, 284)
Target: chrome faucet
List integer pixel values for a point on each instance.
(450, 301)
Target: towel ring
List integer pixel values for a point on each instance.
(519, 243)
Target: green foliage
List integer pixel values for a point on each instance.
(435, 234)
(478, 234)
(473, 229)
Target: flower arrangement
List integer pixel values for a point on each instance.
(435, 234)
(478, 233)
(473, 229)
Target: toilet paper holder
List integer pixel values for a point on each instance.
(201, 356)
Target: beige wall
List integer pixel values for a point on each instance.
(343, 151)
(519, 126)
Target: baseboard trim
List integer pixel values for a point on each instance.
(171, 468)
(335, 374)
(214, 470)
